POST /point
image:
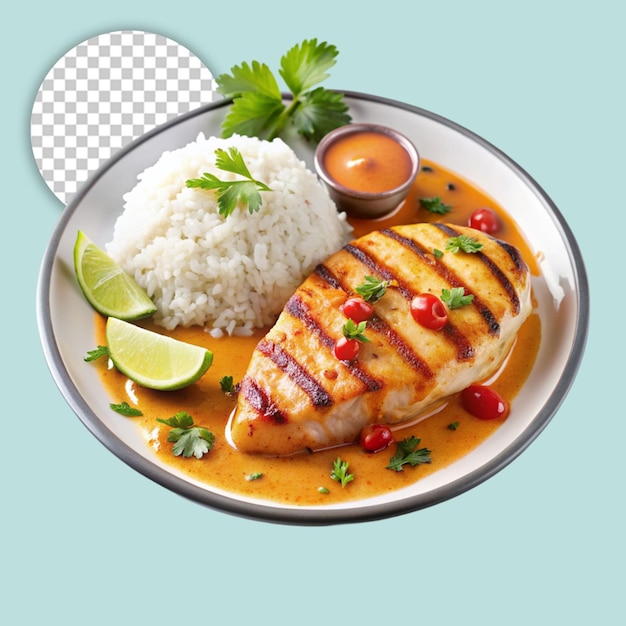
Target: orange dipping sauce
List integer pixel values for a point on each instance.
(368, 162)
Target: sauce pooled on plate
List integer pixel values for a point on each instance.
(449, 434)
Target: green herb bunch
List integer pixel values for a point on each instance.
(258, 109)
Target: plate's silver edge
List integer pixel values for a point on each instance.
(311, 516)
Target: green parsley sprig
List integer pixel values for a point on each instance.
(258, 110)
(352, 330)
(189, 439)
(409, 454)
(435, 205)
(340, 472)
(456, 297)
(231, 192)
(228, 386)
(123, 408)
(96, 353)
(372, 289)
(463, 243)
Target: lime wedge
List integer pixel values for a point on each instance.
(109, 289)
(153, 360)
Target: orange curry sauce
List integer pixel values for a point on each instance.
(296, 480)
(369, 162)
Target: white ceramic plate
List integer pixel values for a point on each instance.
(66, 320)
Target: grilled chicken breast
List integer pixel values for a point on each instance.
(296, 394)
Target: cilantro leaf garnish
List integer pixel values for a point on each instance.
(372, 289)
(352, 330)
(251, 114)
(93, 355)
(226, 385)
(340, 472)
(123, 408)
(408, 453)
(189, 439)
(435, 205)
(456, 298)
(258, 109)
(232, 161)
(254, 78)
(463, 243)
(320, 111)
(306, 65)
(231, 192)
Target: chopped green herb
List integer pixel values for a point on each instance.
(254, 476)
(226, 384)
(352, 330)
(372, 289)
(463, 243)
(340, 472)
(456, 298)
(437, 253)
(453, 426)
(258, 109)
(231, 192)
(435, 205)
(408, 453)
(323, 490)
(189, 439)
(123, 408)
(93, 355)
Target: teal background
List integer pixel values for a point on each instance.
(87, 540)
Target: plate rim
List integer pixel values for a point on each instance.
(312, 516)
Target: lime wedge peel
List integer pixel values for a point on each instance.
(153, 360)
(108, 288)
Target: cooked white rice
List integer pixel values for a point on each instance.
(229, 274)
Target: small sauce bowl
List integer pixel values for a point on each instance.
(367, 168)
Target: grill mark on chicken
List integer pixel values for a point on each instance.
(464, 349)
(402, 348)
(260, 402)
(380, 326)
(378, 267)
(493, 267)
(328, 277)
(298, 309)
(513, 252)
(298, 374)
(447, 274)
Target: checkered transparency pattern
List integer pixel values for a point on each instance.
(106, 92)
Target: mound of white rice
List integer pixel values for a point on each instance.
(229, 274)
